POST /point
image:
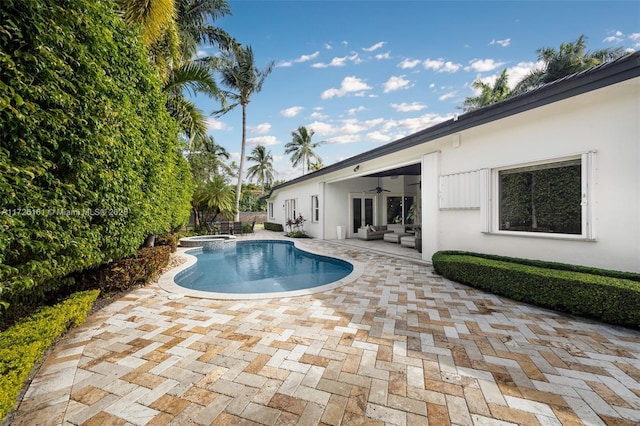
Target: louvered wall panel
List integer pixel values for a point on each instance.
(460, 191)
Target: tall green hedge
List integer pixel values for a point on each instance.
(89, 157)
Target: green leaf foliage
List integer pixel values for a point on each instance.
(609, 296)
(22, 345)
(89, 156)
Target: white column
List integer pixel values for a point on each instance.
(430, 204)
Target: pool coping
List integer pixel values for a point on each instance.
(167, 282)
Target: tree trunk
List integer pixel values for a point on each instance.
(241, 166)
(150, 241)
(196, 217)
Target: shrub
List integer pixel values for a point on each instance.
(22, 345)
(297, 234)
(589, 292)
(272, 226)
(170, 240)
(129, 272)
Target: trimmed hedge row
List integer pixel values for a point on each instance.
(272, 226)
(22, 345)
(588, 292)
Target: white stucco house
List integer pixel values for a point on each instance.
(553, 174)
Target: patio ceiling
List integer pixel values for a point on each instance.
(410, 170)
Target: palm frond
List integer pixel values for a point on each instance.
(191, 120)
(154, 16)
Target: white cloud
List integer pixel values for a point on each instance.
(261, 128)
(317, 115)
(376, 46)
(439, 65)
(344, 139)
(396, 83)
(215, 124)
(415, 124)
(328, 46)
(520, 71)
(305, 58)
(378, 136)
(405, 107)
(409, 63)
(504, 43)
(381, 56)
(262, 140)
(339, 61)
(373, 122)
(484, 65)
(635, 38)
(321, 128)
(350, 85)
(291, 112)
(446, 96)
(302, 58)
(615, 37)
(353, 111)
(350, 127)
(200, 53)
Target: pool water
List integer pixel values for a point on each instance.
(260, 267)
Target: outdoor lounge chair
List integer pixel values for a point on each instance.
(237, 228)
(225, 228)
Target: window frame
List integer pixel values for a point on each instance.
(315, 209)
(271, 210)
(587, 162)
(405, 210)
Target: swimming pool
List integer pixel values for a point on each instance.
(260, 267)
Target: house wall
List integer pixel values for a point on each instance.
(605, 121)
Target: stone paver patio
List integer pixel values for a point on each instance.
(399, 346)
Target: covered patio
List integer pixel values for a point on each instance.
(399, 346)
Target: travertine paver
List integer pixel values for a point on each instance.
(399, 346)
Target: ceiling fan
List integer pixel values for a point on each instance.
(378, 189)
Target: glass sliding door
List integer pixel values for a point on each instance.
(362, 211)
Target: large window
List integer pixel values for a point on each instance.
(270, 210)
(398, 209)
(315, 208)
(549, 198)
(290, 209)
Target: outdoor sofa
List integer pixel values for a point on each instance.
(369, 232)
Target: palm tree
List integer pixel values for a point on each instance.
(263, 170)
(488, 94)
(243, 79)
(207, 159)
(569, 59)
(301, 148)
(317, 165)
(212, 199)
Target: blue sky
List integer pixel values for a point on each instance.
(365, 73)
